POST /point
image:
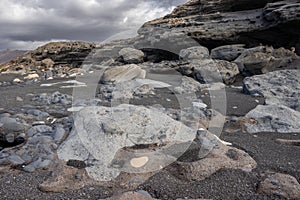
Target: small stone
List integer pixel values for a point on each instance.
(139, 162)
(3, 155)
(19, 99)
(75, 109)
(29, 168)
(13, 126)
(32, 76)
(16, 160)
(143, 192)
(10, 138)
(199, 105)
(36, 123)
(17, 80)
(59, 134)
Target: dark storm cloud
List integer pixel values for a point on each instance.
(26, 24)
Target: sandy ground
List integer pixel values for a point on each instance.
(225, 184)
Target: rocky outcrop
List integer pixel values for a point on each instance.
(60, 55)
(265, 59)
(213, 23)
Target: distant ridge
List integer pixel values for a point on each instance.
(8, 55)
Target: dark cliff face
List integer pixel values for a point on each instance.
(215, 23)
(196, 7)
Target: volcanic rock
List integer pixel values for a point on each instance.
(116, 128)
(263, 59)
(216, 23)
(273, 118)
(211, 71)
(131, 56)
(281, 185)
(122, 73)
(279, 87)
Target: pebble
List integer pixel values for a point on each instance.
(10, 138)
(6, 119)
(32, 76)
(15, 160)
(39, 129)
(19, 99)
(36, 123)
(29, 168)
(143, 192)
(3, 155)
(199, 105)
(4, 161)
(139, 162)
(59, 134)
(75, 109)
(234, 119)
(40, 115)
(40, 164)
(13, 126)
(17, 80)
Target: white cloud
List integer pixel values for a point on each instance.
(26, 24)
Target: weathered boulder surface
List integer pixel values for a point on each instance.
(227, 52)
(213, 23)
(122, 73)
(210, 71)
(212, 156)
(101, 131)
(279, 87)
(281, 185)
(273, 118)
(194, 53)
(264, 59)
(131, 55)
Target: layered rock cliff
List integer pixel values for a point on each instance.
(216, 23)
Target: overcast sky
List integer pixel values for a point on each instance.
(26, 24)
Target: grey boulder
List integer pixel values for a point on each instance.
(211, 71)
(100, 132)
(279, 87)
(194, 53)
(122, 73)
(273, 118)
(131, 55)
(227, 52)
